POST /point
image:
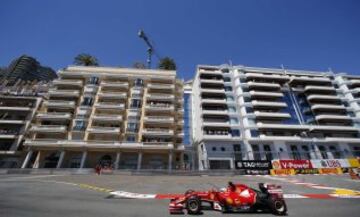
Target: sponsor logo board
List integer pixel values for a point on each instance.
(306, 171)
(330, 163)
(291, 164)
(330, 171)
(282, 172)
(253, 164)
(354, 162)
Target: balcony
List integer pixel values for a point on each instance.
(64, 93)
(333, 118)
(265, 95)
(271, 115)
(157, 132)
(159, 107)
(305, 80)
(156, 86)
(112, 95)
(268, 104)
(60, 104)
(48, 129)
(215, 123)
(159, 119)
(354, 83)
(273, 77)
(319, 89)
(215, 112)
(262, 86)
(90, 89)
(212, 81)
(112, 106)
(213, 135)
(8, 134)
(210, 90)
(107, 118)
(68, 82)
(158, 96)
(213, 100)
(113, 84)
(328, 107)
(317, 98)
(54, 116)
(104, 130)
(6, 121)
(14, 108)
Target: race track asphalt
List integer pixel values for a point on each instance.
(87, 195)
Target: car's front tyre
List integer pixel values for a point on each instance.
(193, 205)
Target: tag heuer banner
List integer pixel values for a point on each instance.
(253, 164)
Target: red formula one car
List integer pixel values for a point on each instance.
(234, 198)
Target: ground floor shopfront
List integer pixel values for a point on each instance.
(132, 157)
(225, 155)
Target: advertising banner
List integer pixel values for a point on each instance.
(354, 162)
(253, 164)
(330, 171)
(282, 172)
(330, 163)
(254, 167)
(291, 164)
(306, 171)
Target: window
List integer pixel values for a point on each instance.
(295, 153)
(237, 151)
(139, 82)
(87, 101)
(93, 80)
(79, 125)
(254, 133)
(135, 103)
(227, 79)
(130, 138)
(132, 127)
(228, 88)
(306, 152)
(222, 149)
(235, 133)
(234, 121)
(213, 149)
(323, 152)
(336, 154)
(230, 99)
(268, 154)
(232, 109)
(256, 152)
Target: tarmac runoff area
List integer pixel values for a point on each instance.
(90, 195)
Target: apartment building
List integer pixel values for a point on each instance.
(250, 113)
(119, 117)
(18, 105)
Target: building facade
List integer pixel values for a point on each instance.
(119, 117)
(18, 105)
(249, 113)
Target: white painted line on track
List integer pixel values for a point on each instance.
(19, 178)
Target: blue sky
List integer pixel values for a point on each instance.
(311, 34)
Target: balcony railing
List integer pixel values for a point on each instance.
(103, 105)
(112, 95)
(64, 93)
(161, 96)
(53, 115)
(49, 129)
(60, 104)
(159, 119)
(68, 82)
(97, 129)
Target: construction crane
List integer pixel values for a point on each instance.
(150, 49)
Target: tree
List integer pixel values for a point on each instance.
(85, 60)
(139, 65)
(167, 63)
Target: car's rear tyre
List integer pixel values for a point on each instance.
(193, 205)
(278, 207)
